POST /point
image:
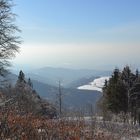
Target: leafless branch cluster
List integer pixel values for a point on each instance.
(8, 40)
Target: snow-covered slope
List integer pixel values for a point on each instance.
(97, 84)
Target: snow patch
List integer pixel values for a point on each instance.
(97, 84)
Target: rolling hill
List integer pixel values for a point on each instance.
(68, 77)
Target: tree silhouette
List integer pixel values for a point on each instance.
(30, 83)
(21, 77)
(8, 40)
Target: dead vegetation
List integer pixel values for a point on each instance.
(31, 127)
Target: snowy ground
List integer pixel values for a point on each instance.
(97, 84)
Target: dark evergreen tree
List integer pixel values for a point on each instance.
(137, 74)
(30, 83)
(116, 74)
(21, 77)
(134, 101)
(116, 93)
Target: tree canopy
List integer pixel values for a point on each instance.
(122, 92)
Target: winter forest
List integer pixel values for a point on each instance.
(61, 102)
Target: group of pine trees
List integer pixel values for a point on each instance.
(122, 93)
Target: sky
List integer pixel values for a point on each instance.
(89, 34)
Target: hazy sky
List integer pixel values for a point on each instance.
(93, 34)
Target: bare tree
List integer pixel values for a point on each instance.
(60, 99)
(8, 40)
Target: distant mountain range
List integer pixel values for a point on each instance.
(68, 77)
(45, 82)
(71, 97)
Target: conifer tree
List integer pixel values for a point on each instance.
(21, 77)
(116, 93)
(30, 83)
